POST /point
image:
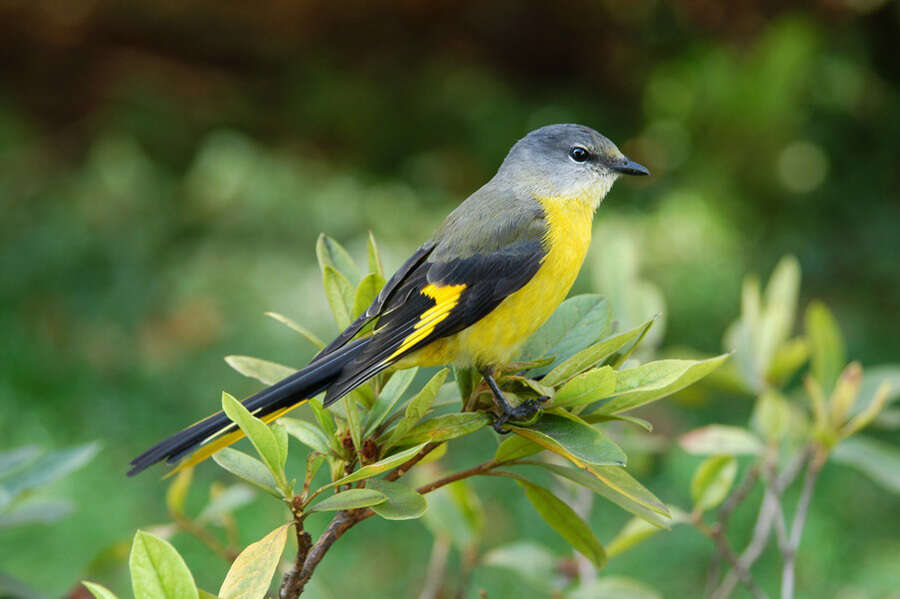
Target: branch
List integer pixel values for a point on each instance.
(716, 534)
(790, 552)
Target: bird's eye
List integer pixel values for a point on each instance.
(579, 154)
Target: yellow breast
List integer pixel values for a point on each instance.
(496, 338)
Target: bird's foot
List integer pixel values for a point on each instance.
(524, 412)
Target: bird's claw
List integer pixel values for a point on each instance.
(522, 412)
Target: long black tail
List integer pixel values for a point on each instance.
(270, 402)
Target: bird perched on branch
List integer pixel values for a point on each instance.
(492, 273)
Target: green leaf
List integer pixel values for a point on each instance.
(390, 394)
(576, 324)
(375, 257)
(635, 531)
(380, 466)
(828, 355)
(366, 292)
(466, 379)
(260, 435)
(718, 439)
(777, 319)
(615, 484)
(158, 571)
(339, 293)
(354, 418)
(246, 468)
(614, 587)
(332, 254)
(446, 427)
(711, 481)
(49, 467)
(771, 416)
(35, 510)
(586, 388)
(206, 594)
(226, 502)
(307, 433)
(565, 521)
(877, 459)
(306, 333)
(640, 422)
(177, 491)
(98, 590)
(788, 358)
(530, 561)
(593, 355)
(251, 573)
(418, 407)
(15, 458)
(455, 512)
(515, 447)
(264, 371)
(402, 502)
(578, 442)
(326, 422)
(350, 499)
(655, 380)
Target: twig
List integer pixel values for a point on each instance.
(790, 552)
(437, 566)
(405, 466)
(716, 534)
(736, 497)
(204, 536)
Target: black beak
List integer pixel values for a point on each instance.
(630, 167)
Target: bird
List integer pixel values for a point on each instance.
(491, 274)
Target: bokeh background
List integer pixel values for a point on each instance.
(166, 167)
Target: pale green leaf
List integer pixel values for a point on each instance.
(250, 576)
(515, 447)
(350, 499)
(402, 502)
(635, 531)
(655, 380)
(225, 502)
(16, 458)
(49, 467)
(306, 333)
(879, 460)
(32, 510)
(98, 590)
(826, 344)
(332, 254)
(788, 358)
(390, 394)
(614, 587)
(307, 433)
(264, 371)
(260, 435)
(246, 468)
(446, 427)
(374, 257)
(177, 491)
(366, 292)
(158, 571)
(718, 439)
(339, 293)
(586, 388)
(578, 442)
(380, 466)
(418, 407)
(530, 561)
(565, 521)
(711, 481)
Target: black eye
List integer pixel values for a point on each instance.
(579, 154)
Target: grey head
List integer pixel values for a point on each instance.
(568, 160)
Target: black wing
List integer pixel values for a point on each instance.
(434, 300)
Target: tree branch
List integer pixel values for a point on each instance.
(790, 552)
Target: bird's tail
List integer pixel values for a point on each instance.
(215, 432)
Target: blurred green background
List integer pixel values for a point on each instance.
(166, 167)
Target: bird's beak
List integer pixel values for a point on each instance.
(630, 167)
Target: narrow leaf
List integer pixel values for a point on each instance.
(332, 254)
(177, 491)
(718, 439)
(446, 427)
(98, 590)
(375, 257)
(515, 447)
(158, 571)
(366, 292)
(711, 481)
(260, 435)
(49, 467)
(391, 393)
(402, 502)
(339, 293)
(350, 499)
(264, 371)
(306, 333)
(877, 459)
(246, 468)
(380, 466)
(634, 532)
(826, 344)
(251, 573)
(586, 388)
(418, 407)
(307, 433)
(578, 442)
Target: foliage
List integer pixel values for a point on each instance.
(574, 362)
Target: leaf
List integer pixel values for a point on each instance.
(350, 499)
(307, 433)
(634, 532)
(576, 441)
(845, 392)
(576, 324)
(446, 427)
(615, 484)
(586, 388)
(98, 590)
(374, 257)
(354, 418)
(466, 379)
(390, 394)
(246, 468)
(530, 561)
(873, 379)
(614, 587)
(326, 422)
(226, 502)
(771, 415)
(380, 466)
(332, 254)
(418, 407)
(15, 458)
(652, 381)
(788, 358)
(264, 371)
(306, 333)
(565, 521)
(864, 418)
(260, 435)
(251, 573)
(366, 292)
(595, 418)
(454, 512)
(826, 344)
(877, 459)
(718, 439)
(339, 293)
(515, 447)
(158, 571)
(35, 510)
(711, 481)
(49, 467)
(777, 319)
(177, 491)
(402, 502)
(593, 355)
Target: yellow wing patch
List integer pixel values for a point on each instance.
(445, 299)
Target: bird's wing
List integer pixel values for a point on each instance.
(436, 299)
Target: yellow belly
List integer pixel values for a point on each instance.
(496, 338)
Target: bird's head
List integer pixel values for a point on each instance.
(567, 161)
